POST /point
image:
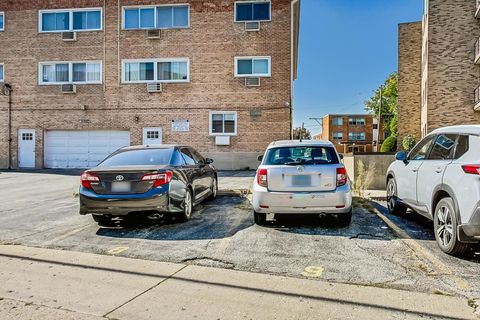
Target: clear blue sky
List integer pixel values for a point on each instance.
(347, 48)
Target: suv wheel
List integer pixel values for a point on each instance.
(259, 218)
(394, 206)
(344, 219)
(445, 227)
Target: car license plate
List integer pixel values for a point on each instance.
(301, 180)
(121, 187)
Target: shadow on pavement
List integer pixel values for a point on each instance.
(217, 219)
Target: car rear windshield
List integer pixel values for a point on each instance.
(301, 155)
(146, 157)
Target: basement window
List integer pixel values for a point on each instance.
(253, 11)
(223, 123)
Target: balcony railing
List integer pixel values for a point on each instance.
(477, 99)
(477, 12)
(477, 52)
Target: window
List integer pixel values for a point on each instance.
(177, 159)
(70, 20)
(196, 156)
(356, 136)
(462, 146)
(2, 77)
(223, 123)
(160, 17)
(337, 135)
(252, 66)
(443, 148)
(2, 21)
(421, 150)
(356, 121)
(301, 155)
(27, 136)
(153, 134)
(187, 156)
(337, 121)
(252, 11)
(89, 72)
(140, 157)
(163, 70)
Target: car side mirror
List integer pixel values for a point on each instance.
(260, 158)
(208, 161)
(341, 156)
(401, 156)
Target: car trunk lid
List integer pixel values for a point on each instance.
(302, 178)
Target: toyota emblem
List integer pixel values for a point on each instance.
(300, 169)
(119, 178)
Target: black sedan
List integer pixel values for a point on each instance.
(149, 180)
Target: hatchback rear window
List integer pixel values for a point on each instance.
(150, 157)
(301, 155)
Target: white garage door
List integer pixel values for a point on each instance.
(81, 149)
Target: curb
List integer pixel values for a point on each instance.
(233, 193)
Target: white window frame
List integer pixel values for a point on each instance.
(354, 121)
(70, 12)
(336, 134)
(210, 123)
(70, 72)
(2, 14)
(268, 75)
(2, 80)
(155, 15)
(155, 70)
(357, 134)
(250, 1)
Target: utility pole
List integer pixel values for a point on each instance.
(376, 137)
(7, 91)
(301, 131)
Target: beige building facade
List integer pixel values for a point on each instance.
(216, 75)
(450, 72)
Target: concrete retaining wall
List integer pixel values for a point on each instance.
(382, 162)
(234, 160)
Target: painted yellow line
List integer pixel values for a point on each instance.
(66, 235)
(313, 272)
(117, 250)
(439, 266)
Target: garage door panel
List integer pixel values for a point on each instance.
(81, 149)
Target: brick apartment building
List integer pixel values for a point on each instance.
(352, 132)
(89, 76)
(439, 72)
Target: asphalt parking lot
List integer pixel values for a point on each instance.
(40, 209)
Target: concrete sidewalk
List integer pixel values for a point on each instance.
(50, 284)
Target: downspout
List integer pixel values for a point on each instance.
(292, 61)
(9, 128)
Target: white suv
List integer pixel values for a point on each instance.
(440, 179)
(301, 178)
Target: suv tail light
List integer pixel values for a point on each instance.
(87, 178)
(159, 179)
(262, 179)
(471, 169)
(341, 176)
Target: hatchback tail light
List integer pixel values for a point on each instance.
(159, 179)
(341, 176)
(471, 169)
(262, 179)
(87, 178)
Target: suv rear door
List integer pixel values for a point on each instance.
(430, 174)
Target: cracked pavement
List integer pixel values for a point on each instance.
(40, 210)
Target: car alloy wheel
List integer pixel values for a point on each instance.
(188, 205)
(394, 207)
(214, 188)
(444, 225)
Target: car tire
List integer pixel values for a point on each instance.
(260, 218)
(345, 219)
(445, 228)
(186, 214)
(214, 189)
(102, 220)
(394, 206)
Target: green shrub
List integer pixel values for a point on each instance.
(389, 145)
(409, 142)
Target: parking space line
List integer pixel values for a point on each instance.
(439, 266)
(313, 272)
(117, 250)
(65, 235)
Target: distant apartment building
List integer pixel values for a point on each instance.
(439, 68)
(353, 132)
(88, 77)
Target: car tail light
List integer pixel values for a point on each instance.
(159, 178)
(341, 176)
(471, 169)
(87, 178)
(262, 179)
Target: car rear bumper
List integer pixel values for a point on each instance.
(121, 205)
(334, 202)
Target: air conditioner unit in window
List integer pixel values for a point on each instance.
(154, 87)
(154, 33)
(69, 36)
(69, 88)
(252, 82)
(252, 26)
(222, 140)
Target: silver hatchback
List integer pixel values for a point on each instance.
(301, 177)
